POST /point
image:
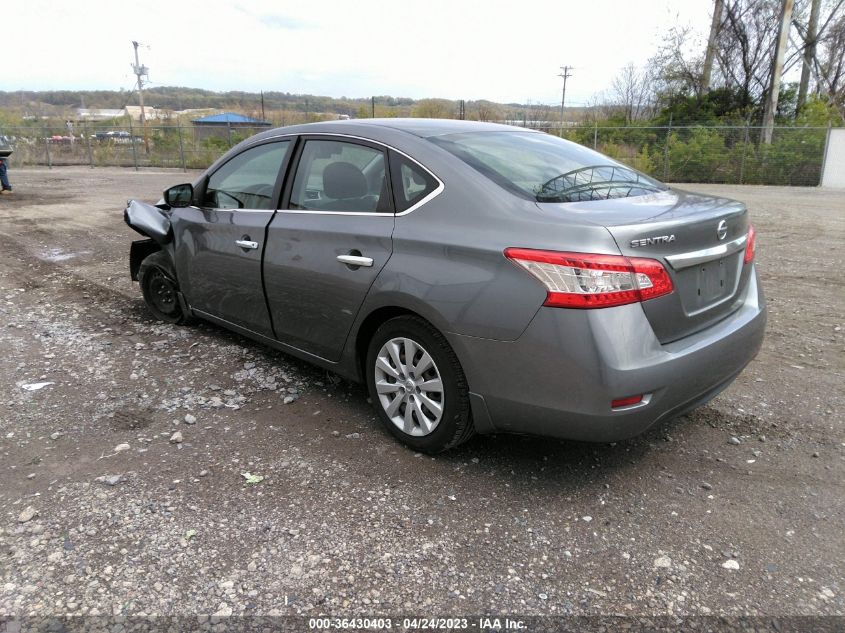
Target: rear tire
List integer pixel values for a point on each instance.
(417, 386)
(160, 289)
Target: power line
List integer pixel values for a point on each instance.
(140, 72)
(565, 75)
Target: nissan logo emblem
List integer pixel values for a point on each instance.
(722, 230)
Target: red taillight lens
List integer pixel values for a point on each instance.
(750, 244)
(583, 280)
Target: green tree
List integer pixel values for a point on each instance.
(434, 109)
(722, 105)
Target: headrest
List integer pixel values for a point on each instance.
(344, 180)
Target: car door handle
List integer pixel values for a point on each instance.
(246, 243)
(355, 260)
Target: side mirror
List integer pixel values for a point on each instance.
(179, 195)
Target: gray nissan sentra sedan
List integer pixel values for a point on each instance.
(478, 278)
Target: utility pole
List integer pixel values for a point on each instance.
(140, 72)
(711, 47)
(809, 53)
(777, 69)
(565, 74)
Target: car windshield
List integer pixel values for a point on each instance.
(546, 168)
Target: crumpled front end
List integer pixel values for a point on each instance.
(148, 220)
(152, 222)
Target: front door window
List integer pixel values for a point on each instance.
(248, 181)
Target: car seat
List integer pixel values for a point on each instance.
(345, 189)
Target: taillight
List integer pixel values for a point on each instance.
(750, 244)
(582, 280)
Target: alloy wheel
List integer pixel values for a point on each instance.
(409, 386)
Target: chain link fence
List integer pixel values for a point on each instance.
(174, 146)
(714, 154)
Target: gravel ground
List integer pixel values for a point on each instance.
(150, 469)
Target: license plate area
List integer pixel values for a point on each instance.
(707, 285)
(712, 280)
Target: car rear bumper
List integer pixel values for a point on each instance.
(560, 377)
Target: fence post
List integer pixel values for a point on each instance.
(666, 150)
(744, 148)
(47, 147)
(134, 149)
(229, 132)
(181, 148)
(596, 135)
(88, 145)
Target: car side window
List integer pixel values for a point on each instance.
(340, 176)
(248, 180)
(411, 183)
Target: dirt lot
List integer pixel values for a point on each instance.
(737, 508)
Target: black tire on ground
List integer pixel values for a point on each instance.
(455, 425)
(160, 289)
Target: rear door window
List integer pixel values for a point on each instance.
(341, 176)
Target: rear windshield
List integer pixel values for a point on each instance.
(546, 168)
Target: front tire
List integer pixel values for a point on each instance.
(160, 289)
(417, 386)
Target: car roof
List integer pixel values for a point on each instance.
(436, 127)
(423, 128)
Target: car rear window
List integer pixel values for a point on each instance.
(546, 168)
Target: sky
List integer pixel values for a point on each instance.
(458, 49)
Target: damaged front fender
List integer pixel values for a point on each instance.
(138, 252)
(148, 220)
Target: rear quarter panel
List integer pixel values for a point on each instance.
(448, 260)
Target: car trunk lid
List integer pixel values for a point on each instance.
(699, 239)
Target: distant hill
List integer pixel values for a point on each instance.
(278, 107)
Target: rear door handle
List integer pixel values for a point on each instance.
(355, 260)
(246, 243)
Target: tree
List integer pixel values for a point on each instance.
(723, 105)
(434, 109)
(710, 53)
(777, 70)
(599, 109)
(830, 58)
(486, 111)
(809, 35)
(745, 45)
(674, 71)
(631, 90)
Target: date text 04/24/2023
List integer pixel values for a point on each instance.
(487, 624)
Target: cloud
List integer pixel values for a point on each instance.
(284, 22)
(273, 19)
